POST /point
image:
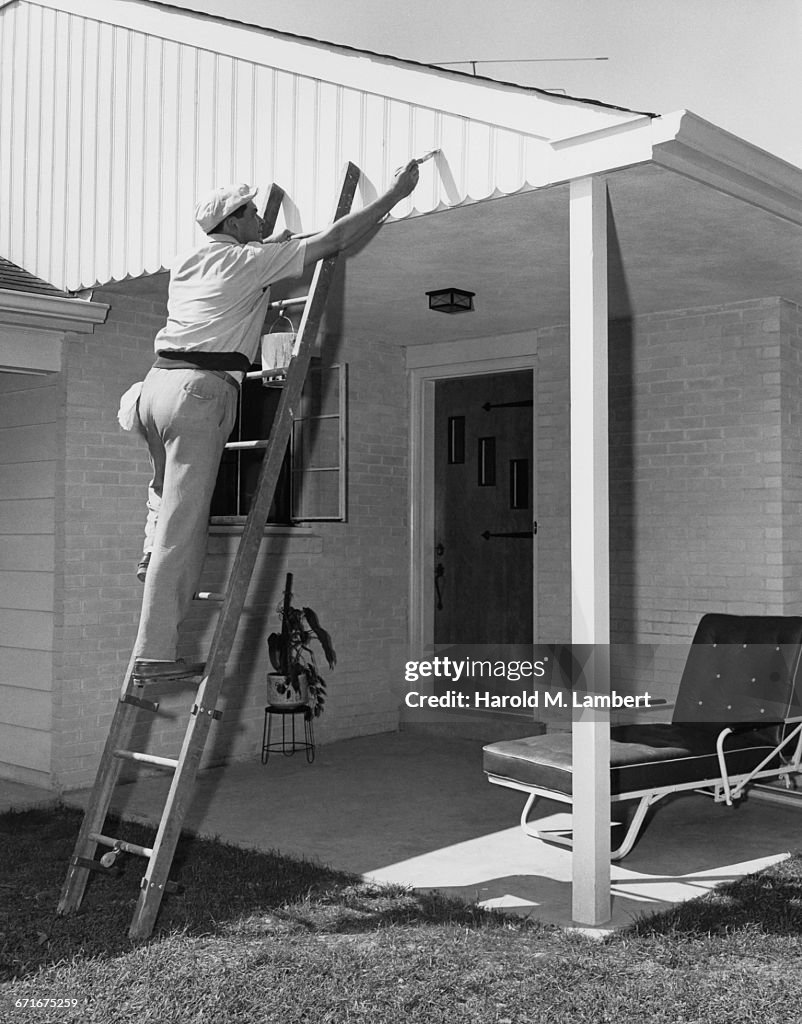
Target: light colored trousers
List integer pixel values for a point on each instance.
(187, 417)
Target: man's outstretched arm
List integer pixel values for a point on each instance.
(349, 229)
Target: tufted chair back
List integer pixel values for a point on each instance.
(742, 670)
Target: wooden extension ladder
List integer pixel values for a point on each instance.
(160, 857)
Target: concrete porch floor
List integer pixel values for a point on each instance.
(416, 809)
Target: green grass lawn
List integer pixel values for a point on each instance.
(255, 937)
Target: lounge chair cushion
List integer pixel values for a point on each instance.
(641, 757)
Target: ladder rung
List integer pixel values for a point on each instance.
(181, 671)
(281, 303)
(120, 844)
(278, 375)
(138, 702)
(135, 755)
(209, 595)
(240, 446)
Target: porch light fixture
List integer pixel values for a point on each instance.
(451, 300)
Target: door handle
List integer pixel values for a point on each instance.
(439, 573)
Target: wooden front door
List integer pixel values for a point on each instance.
(483, 510)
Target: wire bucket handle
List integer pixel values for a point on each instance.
(281, 316)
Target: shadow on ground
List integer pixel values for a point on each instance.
(769, 900)
(227, 888)
(221, 887)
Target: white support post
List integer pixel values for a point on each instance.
(590, 545)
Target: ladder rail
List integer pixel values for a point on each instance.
(120, 732)
(275, 197)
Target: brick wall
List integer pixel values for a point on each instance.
(695, 468)
(789, 557)
(705, 475)
(354, 574)
(695, 478)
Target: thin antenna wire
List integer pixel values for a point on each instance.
(523, 60)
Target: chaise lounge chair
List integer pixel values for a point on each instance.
(737, 719)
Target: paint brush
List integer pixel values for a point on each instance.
(420, 159)
(417, 160)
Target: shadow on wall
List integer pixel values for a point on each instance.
(622, 436)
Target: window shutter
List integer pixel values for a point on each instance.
(318, 447)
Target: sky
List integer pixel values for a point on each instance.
(733, 62)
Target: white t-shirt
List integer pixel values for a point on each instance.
(219, 293)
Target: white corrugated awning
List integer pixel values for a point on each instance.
(116, 115)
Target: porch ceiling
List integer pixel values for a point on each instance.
(674, 243)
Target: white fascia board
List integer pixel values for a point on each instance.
(50, 312)
(608, 149)
(27, 350)
(508, 106)
(691, 146)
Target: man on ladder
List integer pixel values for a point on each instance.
(217, 301)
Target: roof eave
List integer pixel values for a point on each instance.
(687, 144)
(473, 77)
(390, 77)
(50, 312)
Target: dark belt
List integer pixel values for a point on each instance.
(181, 362)
(205, 360)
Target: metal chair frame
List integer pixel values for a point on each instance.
(727, 787)
(724, 788)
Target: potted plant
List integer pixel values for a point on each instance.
(295, 679)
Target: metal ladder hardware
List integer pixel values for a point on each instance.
(184, 768)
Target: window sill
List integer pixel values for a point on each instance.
(225, 531)
(236, 524)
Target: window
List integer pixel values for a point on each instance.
(311, 485)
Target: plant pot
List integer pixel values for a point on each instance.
(283, 691)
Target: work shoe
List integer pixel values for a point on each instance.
(142, 567)
(153, 671)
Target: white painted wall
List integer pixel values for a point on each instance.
(27, 538)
